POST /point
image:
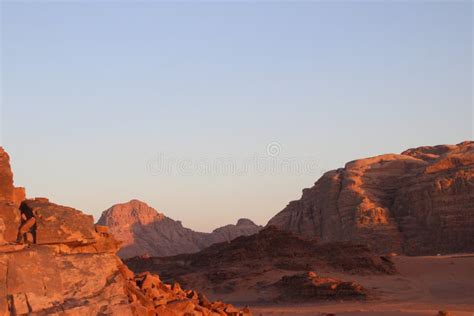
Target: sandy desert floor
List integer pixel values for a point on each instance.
(424, 286)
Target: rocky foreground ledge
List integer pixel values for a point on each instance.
(54, 260)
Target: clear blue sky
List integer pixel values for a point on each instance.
(91, 92)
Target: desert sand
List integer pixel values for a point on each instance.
(423, 286)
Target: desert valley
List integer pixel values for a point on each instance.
(385, 235)
(236, 158)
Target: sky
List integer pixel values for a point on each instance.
(214, 111)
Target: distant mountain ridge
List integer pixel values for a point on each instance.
(258, 263)
(145, 231)
(419, 202)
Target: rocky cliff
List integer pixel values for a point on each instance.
(418, 202)
(144, 231)
(55, 261)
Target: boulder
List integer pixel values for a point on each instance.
(181, 306)
(56, 224)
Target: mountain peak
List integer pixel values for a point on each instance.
(245, 222)
(129, 213)
(144, 231)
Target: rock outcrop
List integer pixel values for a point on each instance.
(418, 202)
(241, 265)
(309, 286)
(8, 192)
(144, 231)
(10, 199)
(60, 263)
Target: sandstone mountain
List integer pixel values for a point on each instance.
(55, 261)
(258, 264)
(144, 231)
(418, 202)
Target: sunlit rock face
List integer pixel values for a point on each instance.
(55, 261)
(10, 199)
(8, 192)
(52, 259)
(144, 231)
(418, 202)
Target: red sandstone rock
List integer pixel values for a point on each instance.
(7, 191)
(418, 202)
(10, 221)
(101, 229)
(57, 224)
(6, 177)
(10, 199)
(63, 264)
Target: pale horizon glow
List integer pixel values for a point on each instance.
(94, 93)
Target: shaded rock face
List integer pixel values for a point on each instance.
(310, 286)
(241, 264)
(60, 263)
(144, 231)
(418, 202)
